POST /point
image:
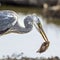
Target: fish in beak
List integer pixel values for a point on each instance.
(45, 44)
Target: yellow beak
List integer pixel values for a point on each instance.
(40, 29)
(45, 44)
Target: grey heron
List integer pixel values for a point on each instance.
(9, 23)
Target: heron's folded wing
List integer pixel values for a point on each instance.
(6, 20)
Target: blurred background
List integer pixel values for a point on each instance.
(14, 47)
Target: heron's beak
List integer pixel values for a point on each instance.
(45, 45)
(40, 29)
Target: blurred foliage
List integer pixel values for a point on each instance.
(28, 58)
(20, 57)
(25, 10)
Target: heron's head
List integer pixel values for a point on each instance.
(31, 20)
(28, 22)
(34, 20)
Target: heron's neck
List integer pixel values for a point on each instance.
(28, 22)
(18, 29)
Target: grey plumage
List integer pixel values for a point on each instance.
(9, 23)
(6, 20)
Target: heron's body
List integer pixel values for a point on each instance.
(9, 23)
(7, 20)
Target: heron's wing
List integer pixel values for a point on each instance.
(6, 20)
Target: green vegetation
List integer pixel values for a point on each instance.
(25, 10)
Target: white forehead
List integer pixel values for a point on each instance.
(35, 18)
